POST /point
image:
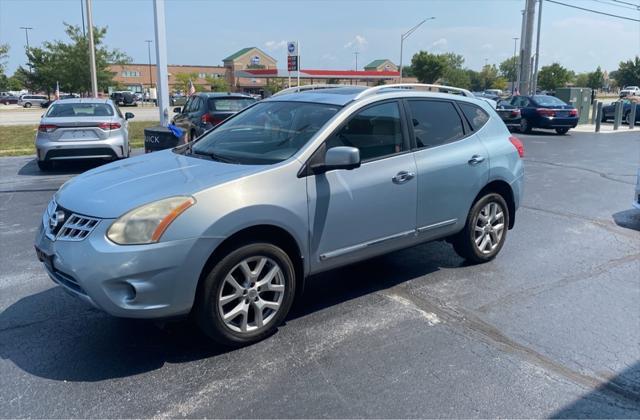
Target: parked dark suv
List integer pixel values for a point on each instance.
(205, 110)
(124, 98)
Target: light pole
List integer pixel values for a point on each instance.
(92, 51)
(513, 84)
(356, 54)
(534, 82)
(148, 41)
(26, 34)
(407, 35)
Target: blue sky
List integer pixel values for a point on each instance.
(203, 32)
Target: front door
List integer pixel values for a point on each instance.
(370, 210)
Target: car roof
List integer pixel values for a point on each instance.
(224, 94)
(343, 95)
(84, 100)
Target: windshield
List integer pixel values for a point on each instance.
(229, 104)
(268, 132)
(545, 100)
(79, 110)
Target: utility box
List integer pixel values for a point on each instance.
(578, 97)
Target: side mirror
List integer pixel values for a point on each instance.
(177, 110)
(128, 115)
(341, 157)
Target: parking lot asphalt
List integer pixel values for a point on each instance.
(551, 328)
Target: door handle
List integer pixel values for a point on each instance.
(402, 177)
(475, 159)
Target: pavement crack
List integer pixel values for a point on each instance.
(580, 168)
(536, 290)
(494, 336)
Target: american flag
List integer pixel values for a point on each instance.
(192, 89)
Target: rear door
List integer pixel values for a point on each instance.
(452, 164)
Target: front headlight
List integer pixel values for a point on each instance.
(147, 223)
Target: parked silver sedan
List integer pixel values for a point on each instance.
(82, 129)
(228, 227)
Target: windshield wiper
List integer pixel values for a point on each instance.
(215, 156)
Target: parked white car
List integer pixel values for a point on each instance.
(630, 91)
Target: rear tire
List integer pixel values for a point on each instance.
(27, 105)
(45, 165)
(562, 131)
(231, 297)
(485, 231)
(525, 126)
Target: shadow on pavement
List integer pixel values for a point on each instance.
(61, 168)
(629, 219)
(55, 336)
(625, 384)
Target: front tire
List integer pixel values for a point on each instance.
(485, 231)
(246, 295)
(27, 105)
(562, 130)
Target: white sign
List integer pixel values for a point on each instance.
(255, 60)
(292, 48)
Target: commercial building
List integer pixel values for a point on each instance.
(249, 70)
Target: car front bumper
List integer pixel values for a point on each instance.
(132, 281)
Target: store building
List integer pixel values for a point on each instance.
(138, 77)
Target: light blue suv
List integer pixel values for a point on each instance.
(228, 227)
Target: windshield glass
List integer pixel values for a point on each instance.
(229, 104)
(545, 100)
(79, 110)
(268, 132)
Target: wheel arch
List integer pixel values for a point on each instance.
(503, 188)
(268, 233)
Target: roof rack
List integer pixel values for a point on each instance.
(440, 88)
(303, 88)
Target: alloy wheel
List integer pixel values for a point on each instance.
(251, 294)
(489, 227)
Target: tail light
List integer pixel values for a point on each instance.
(518, 145)
(210, 119)
(573, 113)
(515, 113)
(47, 128)
(546, 112)
(109, 126)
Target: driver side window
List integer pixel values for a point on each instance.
(375, 131)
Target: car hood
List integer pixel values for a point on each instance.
(113, 189)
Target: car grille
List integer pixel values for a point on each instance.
(75, 227)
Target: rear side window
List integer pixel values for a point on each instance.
(435, 123)
(375, 131)
(475, 115)
(229, 104)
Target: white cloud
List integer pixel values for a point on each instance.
(275, 45)
(357, 41)
(440, 44)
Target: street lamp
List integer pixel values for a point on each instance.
(407, 35)
(148, 41)
(26, 34)
(513, 85)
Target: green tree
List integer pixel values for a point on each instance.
(475, 82)
(553, 76)
(68, 62)
(628, 73)
(488, 76)
(182, 81)
(407, 71)
(218, 84)
(581, 80)
(427, 67)
(500, 83)
(509, 68)
(454, 74)
(595, 79)
(276, 85)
